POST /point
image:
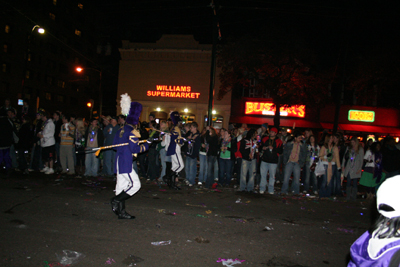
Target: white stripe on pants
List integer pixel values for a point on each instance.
(177, 162)
(128, 182)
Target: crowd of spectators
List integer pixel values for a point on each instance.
(253, 159)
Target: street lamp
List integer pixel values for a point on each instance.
(40, 29)
(28, 58)
(80, 70)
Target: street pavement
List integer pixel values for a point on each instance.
(42, 215)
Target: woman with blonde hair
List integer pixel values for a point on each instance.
(352, 161)
(329, 156)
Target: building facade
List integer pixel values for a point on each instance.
(41, 67)
(171, 74)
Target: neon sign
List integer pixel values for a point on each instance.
(173, 91)
(268, 108)
(361, 115)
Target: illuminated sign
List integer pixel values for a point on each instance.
(361, 115)
(268, 108)
(173, 91)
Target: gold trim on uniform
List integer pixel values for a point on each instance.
(142, 148)
(136, 133)
(133, 139)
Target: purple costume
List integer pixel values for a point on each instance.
(124, 153)
(361, 257)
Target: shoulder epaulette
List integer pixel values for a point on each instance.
(136, 133)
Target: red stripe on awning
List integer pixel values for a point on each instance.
(370, 129)
(285, 122)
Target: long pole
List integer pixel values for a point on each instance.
(100, 95)
(213, 64)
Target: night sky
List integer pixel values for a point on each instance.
(364, 29)
(322, 23)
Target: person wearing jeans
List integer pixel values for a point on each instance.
(203, 168)
(352, 164)
(295, 155)
(271, 148)
(193, 149)
(329, 156)
(225, 159)
(212, 154)
(95, 138)
(247, 151)
(109, 155)
(311, 160)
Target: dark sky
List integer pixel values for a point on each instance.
(326, 26)
(147, 19)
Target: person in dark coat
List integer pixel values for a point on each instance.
(25, 143)
(6, 140)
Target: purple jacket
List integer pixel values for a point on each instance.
(124, 153)
(175, 139)
(360, 256)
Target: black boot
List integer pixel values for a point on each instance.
(118, 204)
(168, 174)
(123, 214)
(173, 185)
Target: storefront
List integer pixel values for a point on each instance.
(363, 120)
(257, 111)
(171, 74)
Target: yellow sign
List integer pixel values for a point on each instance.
(361, 115)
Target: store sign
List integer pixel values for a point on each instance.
(174, 91)
(361, 115)
(268, 108)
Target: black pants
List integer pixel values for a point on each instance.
(154, 170)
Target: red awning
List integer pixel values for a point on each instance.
(370, 129)
(285, 122)
(328, 126)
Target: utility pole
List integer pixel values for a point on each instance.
(215, 31)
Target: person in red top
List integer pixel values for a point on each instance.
(271, 148)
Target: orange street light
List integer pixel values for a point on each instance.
(79, 69)
(89, 104)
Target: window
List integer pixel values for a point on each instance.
(5, 48)
(63, 68)
(27, 74)
(5, 87)
(52, 16)
(49, 80)
(61, 84)
(78, 32)
(55, 2)
(60, 98)
(80, 5)
(48, 96)
(7, 29)
(5, 67)
(29, 57)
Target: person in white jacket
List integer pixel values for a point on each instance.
(47, 142)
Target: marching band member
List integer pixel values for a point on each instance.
(128, 182)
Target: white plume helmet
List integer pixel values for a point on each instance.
(388, 197)
(125, 104)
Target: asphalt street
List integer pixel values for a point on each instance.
(42, 215)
